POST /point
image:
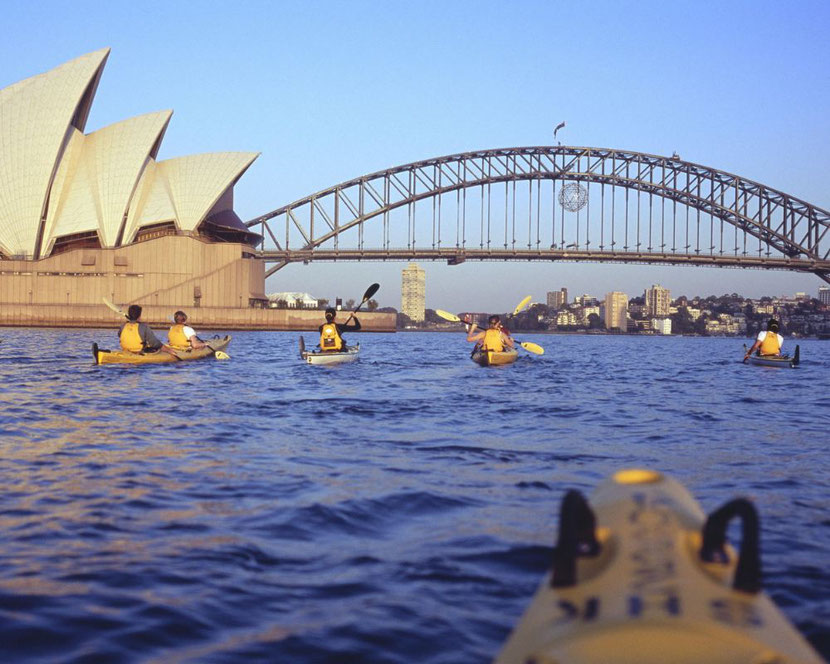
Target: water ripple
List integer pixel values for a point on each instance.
(399, 509)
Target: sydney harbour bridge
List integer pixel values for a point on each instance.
(551, 204)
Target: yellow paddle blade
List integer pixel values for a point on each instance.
(446, 315)
(536, 349)
(221, 355)
(522, 304)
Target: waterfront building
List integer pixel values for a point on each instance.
(587, 311)
(91, 215)
(661, 325)
(765, 309)
(293, 300)
(616, 311)
(824, 295)
(566, 318)
(413, 292)
(658, 301)
(714, 327)
(557, 299)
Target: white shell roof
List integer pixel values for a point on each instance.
(185, 189)
(56, 182)
(59, 199)
(104, 179)
(151, 203)
(197, 182)
(36, 115)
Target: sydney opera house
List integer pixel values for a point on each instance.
(91, 215)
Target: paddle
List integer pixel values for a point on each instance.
(218, 354)
(521, 306)
(366, 296)
(536, 349)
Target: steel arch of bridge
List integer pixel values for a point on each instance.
(746, 224)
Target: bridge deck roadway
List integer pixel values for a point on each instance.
(455, 256)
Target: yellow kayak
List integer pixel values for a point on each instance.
(641, 575)
(492, 358)
(160, 357)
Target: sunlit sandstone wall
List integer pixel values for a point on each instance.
(204, 319)
(212, 282)
(178, 271)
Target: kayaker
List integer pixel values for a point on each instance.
(331, 332)
(181, 336)
(137, 337)
(493, 338)
(768, 342)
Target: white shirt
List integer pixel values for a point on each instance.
(761, 336)
(188, 332)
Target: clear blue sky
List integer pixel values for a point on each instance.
(328, 91)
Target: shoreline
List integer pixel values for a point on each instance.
(204, 318)
(611, 334)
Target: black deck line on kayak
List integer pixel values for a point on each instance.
(577, 537)
(713, 549)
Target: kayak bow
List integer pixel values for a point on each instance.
(641, 575)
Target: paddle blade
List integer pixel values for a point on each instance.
(446, 315)
(370, 291)
(522, 304)
(221, 355)
(530, 347)
(113, 307)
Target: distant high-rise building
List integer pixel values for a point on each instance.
(616, 311)
(824, 295)
(658, 301)
(413, 292)
(557, 299)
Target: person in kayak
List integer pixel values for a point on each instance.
(181, 336)
(137, 337)
(493, 338)
(768, 342)
(331, 332)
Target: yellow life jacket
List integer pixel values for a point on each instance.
(770, 345)
(329, 338)
(492, 341)
(176, 338)
(130, 338)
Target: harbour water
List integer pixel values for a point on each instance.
(399, 509)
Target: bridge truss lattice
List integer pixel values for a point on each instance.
(552, 203)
